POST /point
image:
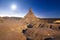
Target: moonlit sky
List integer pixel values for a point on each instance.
(41, 8)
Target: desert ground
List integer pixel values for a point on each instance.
(10, 30)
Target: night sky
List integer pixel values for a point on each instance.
(41, 8)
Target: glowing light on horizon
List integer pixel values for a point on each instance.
(57, 21)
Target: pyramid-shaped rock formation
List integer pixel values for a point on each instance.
(30, 14)
(30, 17)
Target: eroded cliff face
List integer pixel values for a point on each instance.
(40, 33)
